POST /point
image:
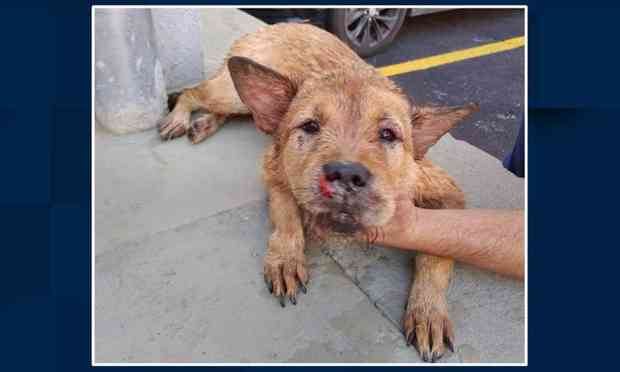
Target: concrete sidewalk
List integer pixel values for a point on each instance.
(180, 235)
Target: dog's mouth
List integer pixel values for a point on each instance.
(341, 222)
(344, 222)
(339, 213)
(344, 212)
(344, 216)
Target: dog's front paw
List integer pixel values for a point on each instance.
(173, 125)
(284, 275)
(427, 325)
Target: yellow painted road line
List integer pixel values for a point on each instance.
(451, 57)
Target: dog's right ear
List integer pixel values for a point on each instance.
(265, 92)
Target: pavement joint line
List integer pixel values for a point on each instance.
(452, 57)
(119, 245)
(382, 312)
(149, 235)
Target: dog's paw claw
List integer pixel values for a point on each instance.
(450, 343)
(284, 277)
(427, 329)
(426, 356)
(435, 356)
(269, 284)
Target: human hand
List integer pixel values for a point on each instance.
(405, 215)
(401, 224)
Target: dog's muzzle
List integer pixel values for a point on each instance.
(347, 177)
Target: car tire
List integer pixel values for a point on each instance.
(367, 31)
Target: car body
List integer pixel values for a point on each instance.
(368, 31)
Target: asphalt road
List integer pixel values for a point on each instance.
(495, 81)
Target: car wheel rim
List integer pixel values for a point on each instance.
(367, 27)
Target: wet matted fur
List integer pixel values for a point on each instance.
(321, 103)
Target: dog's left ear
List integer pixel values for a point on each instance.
(265, 92)
(432, 122)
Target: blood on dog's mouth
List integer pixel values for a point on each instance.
(335, 208)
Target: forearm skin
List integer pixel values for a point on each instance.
(489, 239)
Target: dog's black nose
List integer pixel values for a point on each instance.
(348, 174)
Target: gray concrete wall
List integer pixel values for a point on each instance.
(221, 27)
(178, 34)
(142, 54)
(130, 93)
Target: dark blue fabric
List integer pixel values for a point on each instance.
(515, 161)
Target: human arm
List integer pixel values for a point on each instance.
(487, 238)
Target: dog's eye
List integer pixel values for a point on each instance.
(388, 135)
(311, 127)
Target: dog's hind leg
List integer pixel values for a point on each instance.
(204, 125)
(216, 96)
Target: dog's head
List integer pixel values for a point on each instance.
(347, 142)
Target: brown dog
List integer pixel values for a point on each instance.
(347, 143)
